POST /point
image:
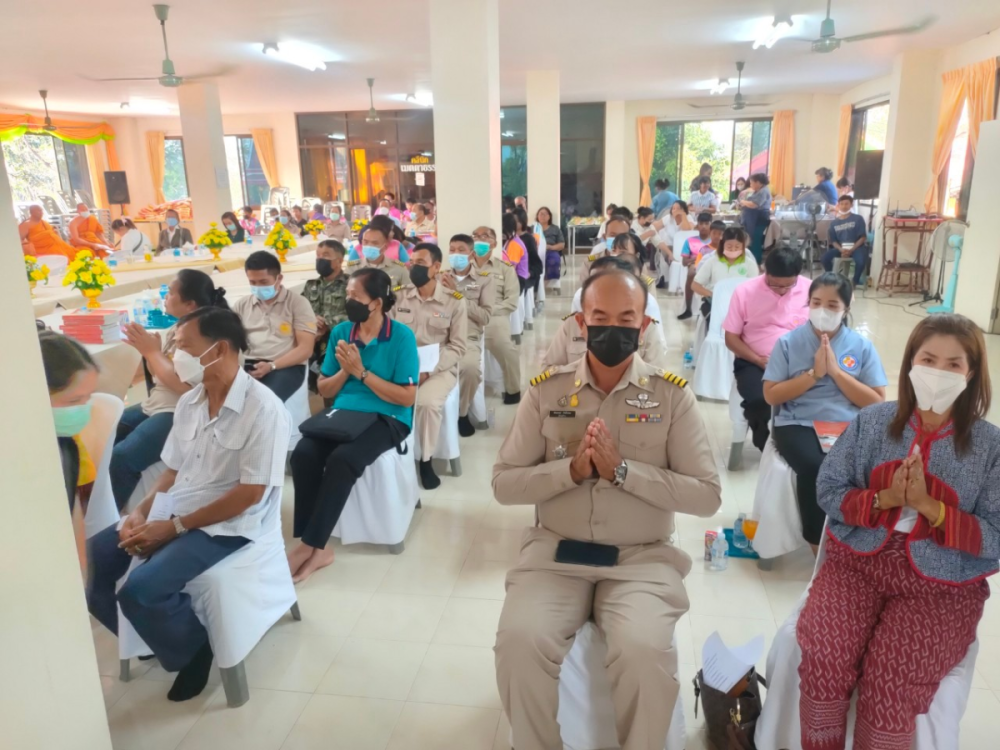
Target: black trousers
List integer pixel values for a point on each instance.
(286, 381)
(800, 448)
(750, 384)
(324, 472)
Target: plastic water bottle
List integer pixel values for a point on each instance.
(139, 313)
(720, 553)
(249, 239)
(164, 290)
(177, 254)
(740, 540)
(688, 360)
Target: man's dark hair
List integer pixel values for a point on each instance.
(262, 260)
(718, 224)
(843, 182)
(848, 198)
(623, 212)
(783, 263)
(383, 225)
(216, 324)
(335, 246)
(465, 239)
(624, 268)
(628, 262)
(643, 212)
(659, 185)
(704, 216)
(430, 247)
(617, 217)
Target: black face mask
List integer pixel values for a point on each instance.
(324, 267)
(612, 345)
(357, 312)
(419, 275)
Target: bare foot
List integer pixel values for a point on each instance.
(320, 559)
(298, 557)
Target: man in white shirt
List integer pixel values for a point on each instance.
(703, 199)
(225, 460)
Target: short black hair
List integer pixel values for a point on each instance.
(262, 260)
(760, 177)
(783, 263)
(62, 359)
(643, 212)
(659, 185)
(124, 223)
(844, 182)
(216, 324)
(848, 198)
(430, 247)
(611, 207)
(705, 166)
(623, 212)
(707, 181)
(383, 225)
(335, 246)
(465, 239)
(718, 224)
(704, 216)
(197, 286)
(377, 285)
(619, 270)
(628, 262)
(616, 218)
(825, 173)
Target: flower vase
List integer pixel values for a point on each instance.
(215, 251)
(314, 235)
(31, 286)
(282, 255)
(92, 296)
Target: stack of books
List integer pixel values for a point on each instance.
(94, 326)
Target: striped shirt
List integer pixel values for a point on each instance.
(246, 443)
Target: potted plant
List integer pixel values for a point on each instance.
(314, 227)
(215, 239)
(280, 240)
(36, 272)
(90, 275)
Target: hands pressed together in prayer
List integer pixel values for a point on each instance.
(909, 488)
(597, 454)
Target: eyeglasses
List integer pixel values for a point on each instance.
(781, 289)
(482, 237)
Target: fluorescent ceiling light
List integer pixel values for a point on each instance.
(779, 27)
(721, 86)
(423, 98)
(296, 54)
(337, 136)
(508, 134)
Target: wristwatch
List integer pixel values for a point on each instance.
(811, 372)
(273, 366)
(876, 504)
(621, 471)
(178, 526)
(364, 374)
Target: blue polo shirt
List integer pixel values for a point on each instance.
(829, 191)
(392, 355)
(850, 229)
(795, 353)
(663, 200)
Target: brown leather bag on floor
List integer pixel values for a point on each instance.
(730, 721)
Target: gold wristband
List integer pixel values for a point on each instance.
(941, 513)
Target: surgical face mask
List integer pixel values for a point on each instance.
(357, 312)
(324, 267)
(334, 217)
(371, 252)
(264, 293)
(936, 390)
(172, 222)
(382, 211)
(609, 244)
(612, 345)
(733, 254)
(482, 249)
(283, 219)
(458, 262)
(825, 321)
(420, 275)
(189, 367)
(230, 228)
(85, 214)
(70, 420)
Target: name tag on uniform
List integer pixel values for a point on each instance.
(562, 414)
(402, 309)
(579, 338)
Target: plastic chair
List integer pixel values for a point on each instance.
(713, 375)
(361, 211)
(740, 428)
(298, 410)
(237, 600)
(477, 409)
(279, 196)
(492, 372)
(677, 278)
(447, 447)
(517, 321)
(98, 438)
(775, 505)
(380, 507)
(779, 726)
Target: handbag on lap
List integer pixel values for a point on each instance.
(345, 425)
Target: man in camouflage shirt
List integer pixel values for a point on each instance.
(328, 297)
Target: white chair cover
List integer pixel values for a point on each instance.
(146, 481)
(779, 726)
(713, 375)
(677, 277)
(586, 713)
(477, 409)
(237, 600)
(779, 530)
(380, 507)
(517, 318)
(740, 425)
(56, 263)
(298, 410)
(447, 444)
(492, 372)
(528, 299)
(98, 438)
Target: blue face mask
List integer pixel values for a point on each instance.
(283, 219)
(172, 222)
(482, 249)
(458, 261)
(70, 420)
(264, 293)
(371, 253)
(334, 217)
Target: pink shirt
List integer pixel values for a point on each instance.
(761, 316)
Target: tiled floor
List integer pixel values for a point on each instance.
(395, 653)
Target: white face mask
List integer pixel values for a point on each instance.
(936, 390)
(189, 367)
(825, 321)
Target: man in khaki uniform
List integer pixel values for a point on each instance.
(477, 286)
(617, 224)
(607, 449)
(436, 315)
(507, 292)
(372, 252)
(280, 326)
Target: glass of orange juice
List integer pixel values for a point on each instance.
(750, 528)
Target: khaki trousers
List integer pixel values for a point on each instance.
(498, 344)
(470, 375)
(430, 408)
(635, 604)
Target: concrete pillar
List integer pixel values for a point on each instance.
(543, 142)
(204, 153)
(50, 695)
(465, 78)
(614, 154)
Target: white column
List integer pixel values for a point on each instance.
(50, 694)
(465, 78)
(614, 154)
(543, 142)
(204, 153)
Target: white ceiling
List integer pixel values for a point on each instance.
(604, 49)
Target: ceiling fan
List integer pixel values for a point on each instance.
(739, 101)
(170, 79)
(829, 41)
(49, 127)
(373, 114)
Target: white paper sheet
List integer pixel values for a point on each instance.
(722, 666)
(162, 508)
(429, 357)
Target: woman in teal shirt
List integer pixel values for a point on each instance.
(371, 367)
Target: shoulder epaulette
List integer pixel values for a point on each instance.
(507, 263)
(457, 295)
(539, 378)
(353, 262)
(592, 258)
(567, 317)
(397, 288)
(484, 273)
(675, 379)
(399, 263)
(649, 280)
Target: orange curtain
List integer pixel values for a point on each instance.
(14, 126)
(263, 142)
(952, 98)
(155, 154)
(783, 153)
(980, 89)
(646, 131)
(95, 163)
(844, 137)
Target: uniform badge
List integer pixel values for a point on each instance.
(559, 452)
(849, 363)
(643, 381)
(285, 328)
(631, 417)
(574, 401)
(577, 382)
(564, 401)
(562, 414)
(642, 402)
(644, 418)
(403, 309)
(578, 338)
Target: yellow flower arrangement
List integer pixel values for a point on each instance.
(36, 271)
(314, 227)
(358, 224)
(280, 240)
(89, 275)
(215, 239)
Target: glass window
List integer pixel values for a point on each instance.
(666, 154)
(416, 126)
(247, 183)
(581, 159)
(708, 142)
(514, 151)
(39, 165)
(957, 164)
(322, 128)
(374, 172)
(174, 174)
(78, 170)
(876, 128)
(381, 133)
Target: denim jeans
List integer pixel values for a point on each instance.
(138, 446)
(859, 256)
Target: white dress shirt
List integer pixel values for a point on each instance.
(701, 201)
(246, 443)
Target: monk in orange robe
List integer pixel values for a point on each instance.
(38, 237)
(86, 231)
